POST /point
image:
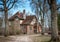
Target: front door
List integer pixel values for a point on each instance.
(35, 29)
(25, 30)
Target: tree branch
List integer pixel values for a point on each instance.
(58, 6)
(12, 4)
(49, 2)
(1, 0)
(1, 9)
(1, 4)
(9, 4)
(7, 1)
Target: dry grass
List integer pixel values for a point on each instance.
(33, 38)
(7, 39)
(41, 38)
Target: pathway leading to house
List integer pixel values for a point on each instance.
(25, 38)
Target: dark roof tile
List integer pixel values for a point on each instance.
(19, 15)
(28, 19)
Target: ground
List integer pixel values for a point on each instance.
(25, 38)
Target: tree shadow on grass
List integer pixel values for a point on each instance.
(6, 39)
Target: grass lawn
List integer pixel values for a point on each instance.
(41, 38)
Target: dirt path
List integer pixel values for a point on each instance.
(25, 38)
(22, 38)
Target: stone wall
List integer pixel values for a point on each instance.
(1, 31)
(14, 28)
(30, 29)
(17, 26)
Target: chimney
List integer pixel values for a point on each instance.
(24, 14)
(24, 11)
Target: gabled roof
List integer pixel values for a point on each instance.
(19, 15)
(28, 19)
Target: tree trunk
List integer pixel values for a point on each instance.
(6, 24)
(6, 19)
(42, 23)
(54, 27)
(43, 28)
(37, 16)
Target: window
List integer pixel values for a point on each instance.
(16, 19)
(30, 28)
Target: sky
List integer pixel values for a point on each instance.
(27, 7)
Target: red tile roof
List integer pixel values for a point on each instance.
(19, 15)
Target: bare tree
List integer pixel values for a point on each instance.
(54, 27)
(5, 6)
(38, 4)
